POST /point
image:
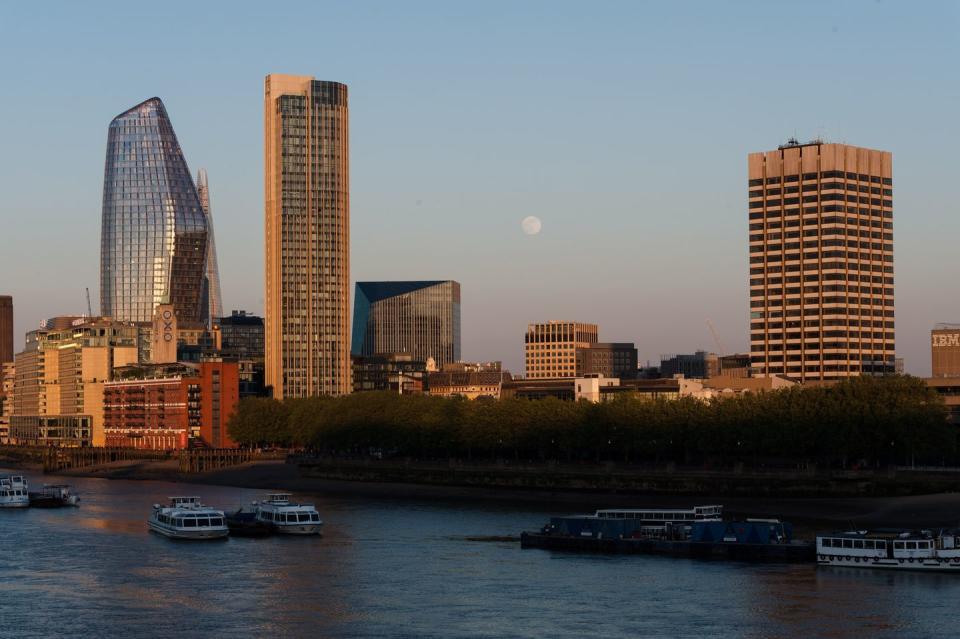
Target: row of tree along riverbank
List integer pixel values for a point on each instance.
(864, 422)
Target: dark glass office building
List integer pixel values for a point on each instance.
(418, 318)
(153, 242)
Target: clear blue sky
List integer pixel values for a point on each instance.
(623, 126)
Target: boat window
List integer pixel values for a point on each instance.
(881, 545)
(858, 543)
(911, 545)
(203, 521)
(868, 544)
(898, 545)
(190, 523)
(848, 543)
(216, 521)
(304, 517)
(314, 516)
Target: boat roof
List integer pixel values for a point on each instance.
(887, 533)
(659, 510)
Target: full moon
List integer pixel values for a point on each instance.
(531, 225)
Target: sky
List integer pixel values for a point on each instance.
(623, 126)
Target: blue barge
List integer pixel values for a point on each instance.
(698, 532)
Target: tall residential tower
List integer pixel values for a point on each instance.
(307, 236)
(821, 261)
(153, 242)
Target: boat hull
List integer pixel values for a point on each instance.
(916, 565)
(779, 553)
(175, 533)
(17, 503)
(298, 529)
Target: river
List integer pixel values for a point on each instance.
(401, 568)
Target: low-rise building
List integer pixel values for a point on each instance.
(170, 406)
(567, 389)
(395, 372)
(467, 384)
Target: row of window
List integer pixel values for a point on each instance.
(820, 268)
(823, 197)
(786, 179)
(825, 186)
(813, 210)
(821, 222)
(754, 326)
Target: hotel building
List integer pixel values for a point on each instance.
(821, 261)
(307, 237)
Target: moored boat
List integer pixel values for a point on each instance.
(287, 518)
(54, 496)
(188, 518)
(246, 524)
(698, 532)
(13, 492)
(923, 550)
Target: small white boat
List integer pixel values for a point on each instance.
(54, 496)
(924, 550)
(188, 518)
(13, 492)
(287, 518)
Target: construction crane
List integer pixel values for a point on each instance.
(716, 338)
(89, 307)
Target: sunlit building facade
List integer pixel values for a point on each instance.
(421, 319)
(307, 237)
(821, 261)
(153, 242)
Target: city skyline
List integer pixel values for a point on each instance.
(620, 213)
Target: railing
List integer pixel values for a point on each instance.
(57, 459)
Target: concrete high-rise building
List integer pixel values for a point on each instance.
(821, 261)
(307, 237)
(212, 307)
(6, 329)
(153, 242)
(551, 348)
(421, 319)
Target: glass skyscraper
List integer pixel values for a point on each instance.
(153, 242)
(419, 318)
(213, 303)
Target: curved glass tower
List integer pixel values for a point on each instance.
(153, 243)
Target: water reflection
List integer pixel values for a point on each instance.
(391, 568)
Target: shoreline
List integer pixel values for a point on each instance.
(915, 511)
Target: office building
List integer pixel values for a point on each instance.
(394, 372)
(6, 328)
(241, 339)
(697, 365)
(307, 237)
(61, 373)
(945, 350)
(469, 384)
(421, 319)
(821, 261)
(551, 348)
(609, 359)
(153, 242)
(212, 303)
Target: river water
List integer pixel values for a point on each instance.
(400, 568)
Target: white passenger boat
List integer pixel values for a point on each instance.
(187, 518)
(659, 522)
(13, 492)
(287, 518)
(924, 550)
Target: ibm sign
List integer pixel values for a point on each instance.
(945, 340)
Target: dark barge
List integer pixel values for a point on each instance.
(761, 540)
